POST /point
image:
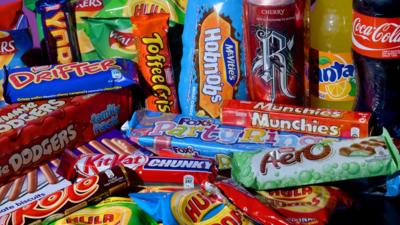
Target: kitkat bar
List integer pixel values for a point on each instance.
(33, 132)
(72, 198)
(314, 121)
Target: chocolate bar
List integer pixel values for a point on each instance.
(312, 121)
(68, 122)
(72, 198)
(63, 80)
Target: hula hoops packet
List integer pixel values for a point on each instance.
(212, 62)
(189, 207)
(121, 9)
(113, 210)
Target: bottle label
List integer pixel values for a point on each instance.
(376, 37)
(332, 76)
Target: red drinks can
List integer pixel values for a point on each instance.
(275, 50)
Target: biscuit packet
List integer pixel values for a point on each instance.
(213, 58)
(316, 163)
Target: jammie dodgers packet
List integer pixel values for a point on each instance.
(212, 62)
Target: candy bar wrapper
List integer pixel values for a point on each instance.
(316, 163)
(10, 15)
(58, 30)
(111, 37)
(205, 137)
(189, 207)
(45, 82)
(69, 122)
(35, 184)
(150, 169)
(308, 205)
(213, 59)
(113, 210)
(119, 9)
(312, 121)
(72, 198)
(246, 202)
(154, 62)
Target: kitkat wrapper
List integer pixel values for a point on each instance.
(212, 61)
(316, 163)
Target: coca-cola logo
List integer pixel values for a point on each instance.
(376, 37)
(7, 44)
(52, 203)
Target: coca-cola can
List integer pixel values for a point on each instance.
(274, 50)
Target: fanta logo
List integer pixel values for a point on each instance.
(335, 72)
(50, 204)
(58, 29)
(22, 79)
(144, 9)
(124, 39)
(156, 62)
(289, 156)
(7, 45)
(90, 5)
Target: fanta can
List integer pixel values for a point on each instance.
(332, 73)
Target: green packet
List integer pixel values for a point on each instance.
(317, 163)
(113, 210)
(111, 37)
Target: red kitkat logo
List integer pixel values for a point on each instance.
(7, 45)
(376, 37)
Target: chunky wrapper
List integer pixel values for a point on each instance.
(44, 82)
(205, 137)
(317, 163)
(68, 122)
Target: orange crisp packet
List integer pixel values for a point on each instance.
(154, 62)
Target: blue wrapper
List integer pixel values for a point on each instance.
(206, 137)
(44, 82)
(213, 57)
(58, 29)
(189, 207)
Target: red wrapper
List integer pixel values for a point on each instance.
(247, 203)
(150, 169)
(10, 14)
(154, 61)
(308, 205)
(72, 198)
(34, 132)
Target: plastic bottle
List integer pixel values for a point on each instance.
(332, 73)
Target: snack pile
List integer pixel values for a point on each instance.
(196, 112)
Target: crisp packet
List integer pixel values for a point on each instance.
(316, 163)
(189, 207)
(189, 135)
(212, 62)
(111, 37)
(10, 15)
(307, 205)
(45, 82)
(154, 62)
(121, 9)
(113, 210)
